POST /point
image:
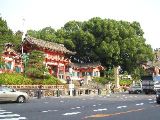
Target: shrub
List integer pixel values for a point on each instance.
(125, 82)
(102, 80)
(14, 79)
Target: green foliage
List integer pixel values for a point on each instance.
(7, 36)
(102, 80)
(47, 81)
(113, 43)
(51, 81)
(14, 79)
(125, 82)
(18, 79)
(35, 67)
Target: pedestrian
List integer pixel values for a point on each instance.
(39, 92)
(112, 88)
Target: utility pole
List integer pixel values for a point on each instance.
(23, 33)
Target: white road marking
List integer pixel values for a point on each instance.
(72, 113)
(49, 111)
(61, 101)
(100, 109)
(4, 113)
(55, 110)
(44, 111)
(73, 108)
(78, 107)
(119, 107)
(140, 104)
(94, 105)
(19, 118)
(2, 110)
(149, 99)
(9, 115)
(83, 99)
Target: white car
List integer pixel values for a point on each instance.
(9, 94)
(135, 89)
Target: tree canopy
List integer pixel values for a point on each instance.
(111, 42)
(7, 35)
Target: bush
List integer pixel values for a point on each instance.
(19, 79)
(125, 82)
(50, 81)
(14, 79)
(102, 80)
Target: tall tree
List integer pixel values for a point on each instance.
(113, 43)
(6, 35)
(35, 67)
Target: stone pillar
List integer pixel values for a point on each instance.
(116, 74)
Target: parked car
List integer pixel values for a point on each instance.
(158, 96)
(135, 89)
(9, 94)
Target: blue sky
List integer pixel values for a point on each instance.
(55, 13)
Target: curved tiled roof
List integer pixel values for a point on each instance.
(48, 45)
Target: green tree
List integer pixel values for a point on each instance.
(113, 43)
(35, 67)
(6, 35)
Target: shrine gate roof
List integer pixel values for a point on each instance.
(47, 45)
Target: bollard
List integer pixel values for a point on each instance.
(39, 94)
(58, 93)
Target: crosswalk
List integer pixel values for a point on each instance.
(6, 115)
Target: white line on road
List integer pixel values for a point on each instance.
(149, 99)
(4, 113)
(140, 104)
(72, 113)
(119, 107)
(19, 118)
(100, 109)
(49, 111)
(45, 111)
(9, 115)
(2, 110)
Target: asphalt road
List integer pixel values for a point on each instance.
(111, 107)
